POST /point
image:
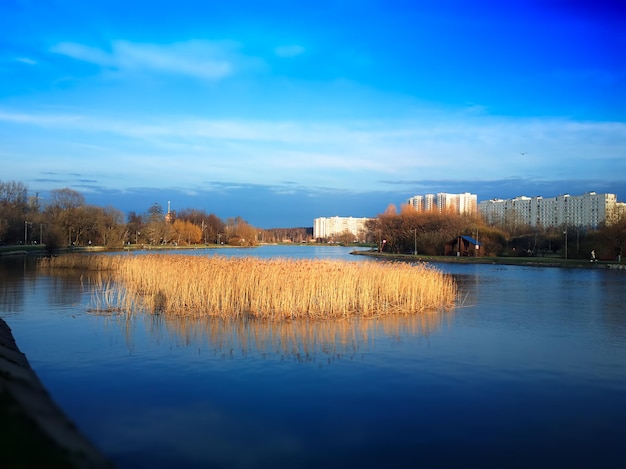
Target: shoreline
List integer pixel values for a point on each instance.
(35, 431)
(520, 261)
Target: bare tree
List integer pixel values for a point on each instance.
(61, 213)
(13, 210)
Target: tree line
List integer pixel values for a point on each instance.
(408, 231)
(67, 220)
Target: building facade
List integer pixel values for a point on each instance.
(329, 227)
(465, 203)
(589, 210)
(620, 211)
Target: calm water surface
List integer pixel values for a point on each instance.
(529, 371)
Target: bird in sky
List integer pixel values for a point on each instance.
(524, 153)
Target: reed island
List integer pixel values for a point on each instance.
(264, 289)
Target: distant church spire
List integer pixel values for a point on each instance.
(169, 216)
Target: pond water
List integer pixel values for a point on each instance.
(530, 370)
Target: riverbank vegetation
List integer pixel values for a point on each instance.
(66, 220)
(426, 233)
(268, 289)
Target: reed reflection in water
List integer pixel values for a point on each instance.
(301, 340)
(530, 373)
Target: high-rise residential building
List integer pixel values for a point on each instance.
(329, 227)
(587, 210)
(620, 211)
(465, 203)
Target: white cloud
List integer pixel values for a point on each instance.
(84, 53)
(43, 120)
(195, 58)
(26, 60)
(289, 51)
(200, 59)
(346, 154)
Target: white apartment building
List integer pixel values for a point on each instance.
(329, 227)
(587, 210)
(465, 203)
(620, 211)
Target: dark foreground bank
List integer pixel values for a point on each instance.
(34, 432)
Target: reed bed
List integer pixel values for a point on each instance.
(80, 262)
(271, 289)
(107, 297)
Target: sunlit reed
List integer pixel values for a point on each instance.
(271, 289)
(107, 297)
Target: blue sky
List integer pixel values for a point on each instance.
(281, 112)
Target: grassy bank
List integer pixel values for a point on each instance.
(526, 261)
(269, 289)
(22, 249)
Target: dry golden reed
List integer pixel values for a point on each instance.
(272, 289)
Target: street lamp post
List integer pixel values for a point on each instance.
(477, 245)
(26, 223)
(565, 233)
(415, 242)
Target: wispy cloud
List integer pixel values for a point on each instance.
(289, 51)
(478, 134)
(26, 60)
(40, 119)
(200, 59)
(357, 155)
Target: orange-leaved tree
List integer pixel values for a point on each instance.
(186, 232)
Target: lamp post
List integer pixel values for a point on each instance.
(3, 221)
(26, 223)
(565, 233)
(415, 242)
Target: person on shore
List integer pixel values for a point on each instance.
(593, 255)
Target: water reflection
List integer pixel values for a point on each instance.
(302, 341)
(468, 288)
(610, 292)
(535, 355)
(18, 281)
(568, 300)
(65, 288)
(82, 292)
(12, 284)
